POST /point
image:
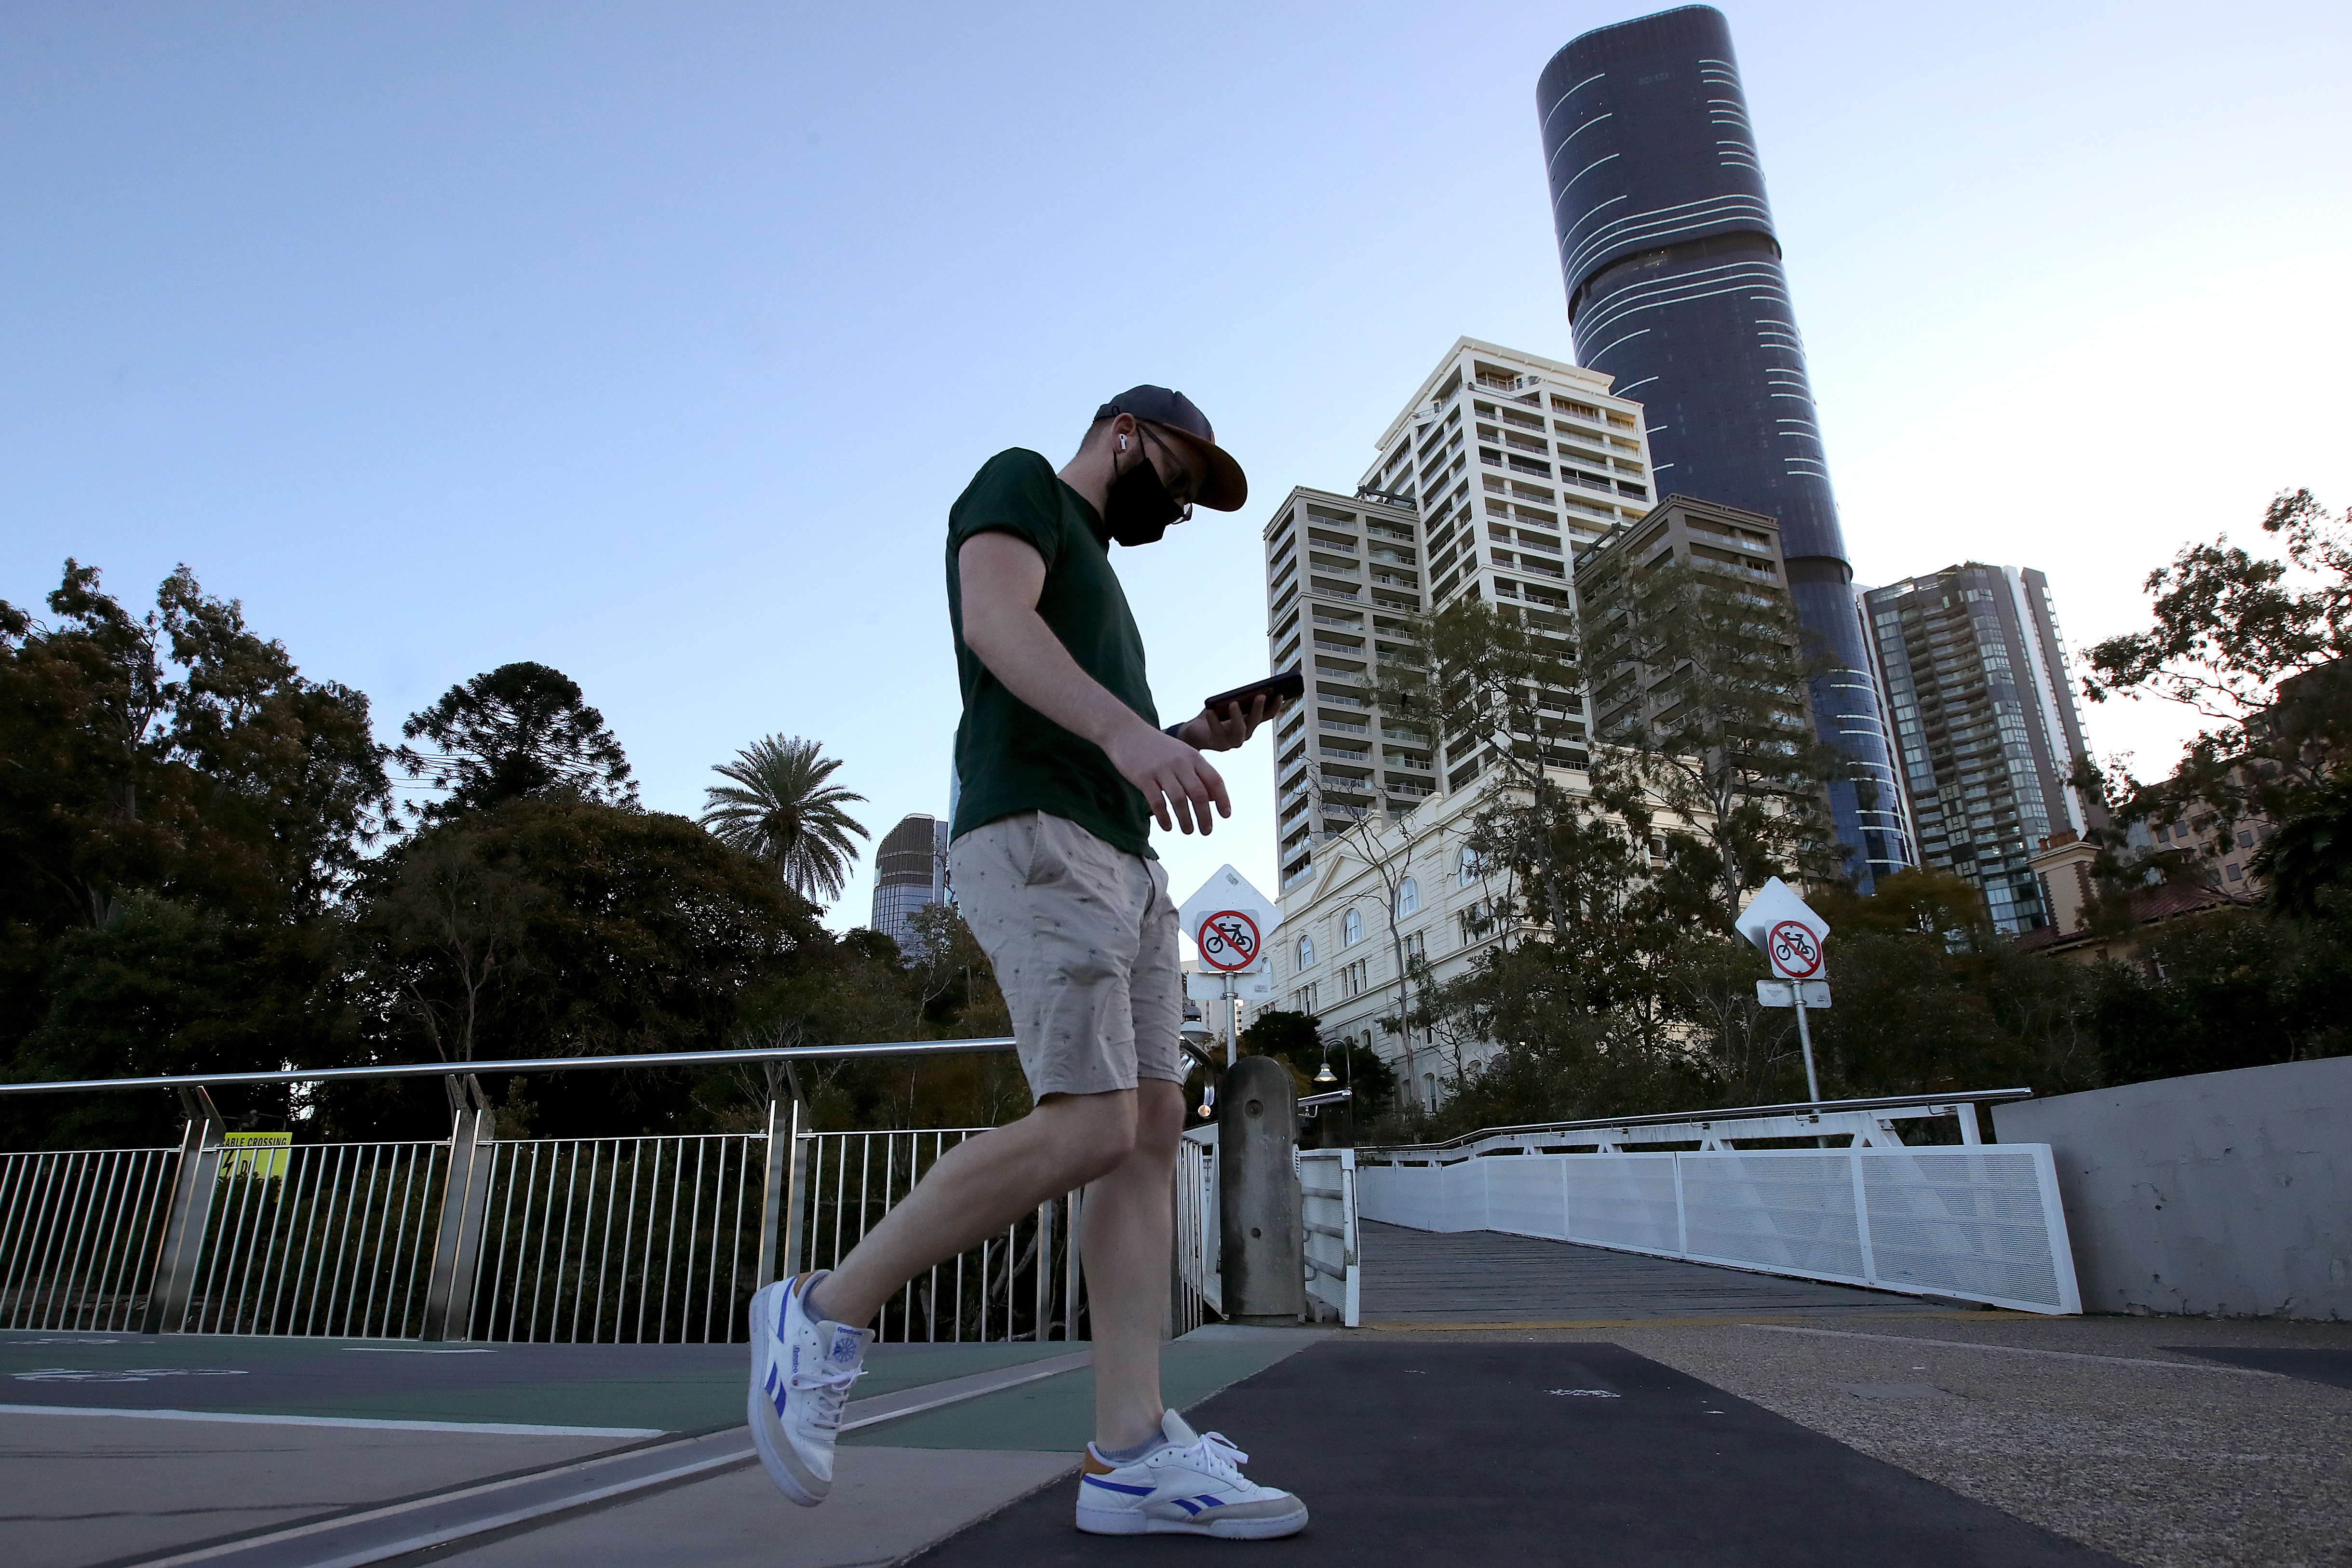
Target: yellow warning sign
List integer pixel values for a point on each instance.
(254, 1154)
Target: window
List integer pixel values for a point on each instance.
(1472, 867)
(2235, 874)
(1351, 929)
(1408, 897)
(1474, 920)
(1306, 954)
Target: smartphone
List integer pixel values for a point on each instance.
(1288, 686)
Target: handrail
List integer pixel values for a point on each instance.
(1734, 1113)
(533, 1064)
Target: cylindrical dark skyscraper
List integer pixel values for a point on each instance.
(1675, 288)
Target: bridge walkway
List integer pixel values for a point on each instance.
(1464, 1278)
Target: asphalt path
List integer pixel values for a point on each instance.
(2333, 1368)
(1420, 1452)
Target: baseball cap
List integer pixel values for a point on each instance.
(1226, 487)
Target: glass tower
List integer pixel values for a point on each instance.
(910, 873)
(1985, 724)
(1675, 288)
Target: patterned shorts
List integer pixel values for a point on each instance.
(1082, 939)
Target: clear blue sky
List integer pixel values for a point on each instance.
(652, 341)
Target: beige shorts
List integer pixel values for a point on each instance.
(1083, 940)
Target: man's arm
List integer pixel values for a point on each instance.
(1002, 577)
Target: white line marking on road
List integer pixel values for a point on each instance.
(406, 1350)
(491, 1428)
(2016, 1350)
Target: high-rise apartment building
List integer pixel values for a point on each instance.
(910, 873)
(1676, 291)
(1739, 549)
(1985, 726)
(1501, 465)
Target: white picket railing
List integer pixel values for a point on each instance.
(1977, 1223)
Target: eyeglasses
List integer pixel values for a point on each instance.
(1184, 496)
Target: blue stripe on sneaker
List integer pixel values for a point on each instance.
(1186, 1504)
(1114, 1485)
(1205, 1500)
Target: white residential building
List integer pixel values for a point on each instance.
(1499, 467)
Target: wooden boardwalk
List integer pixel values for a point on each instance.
(1465, 1278)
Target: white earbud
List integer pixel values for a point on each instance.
(1122, 443)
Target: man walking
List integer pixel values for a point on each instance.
(1063, 768)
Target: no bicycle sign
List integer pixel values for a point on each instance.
(1791, 936)
(1228, 940)
(1795, 952)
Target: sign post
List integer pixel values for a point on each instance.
(1791, 937)
(1229, 942)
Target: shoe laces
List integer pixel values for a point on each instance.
(831, 1386)
(1216, 1454)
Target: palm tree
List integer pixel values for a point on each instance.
(780, 809)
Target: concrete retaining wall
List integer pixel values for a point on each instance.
(2226, 1194)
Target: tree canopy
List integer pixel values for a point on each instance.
(2256, 644)
(520, 732)
(201, 872)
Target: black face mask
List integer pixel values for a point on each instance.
(1138, 508)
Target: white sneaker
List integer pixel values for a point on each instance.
(1190, 1485)
(801, 1374)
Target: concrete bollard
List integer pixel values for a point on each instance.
(1262, 1235)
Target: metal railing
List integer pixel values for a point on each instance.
(1868, 1123)
(1327, 1189)
(1198, 1271)
(645, 1239)
(319, 1239)
(619, 1241)
(1979, 1222)
(78, 1232)
(1024, 1283)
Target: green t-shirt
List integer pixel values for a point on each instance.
(1009, 756)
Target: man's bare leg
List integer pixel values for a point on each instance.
(984, 1184)
(1126, 1235)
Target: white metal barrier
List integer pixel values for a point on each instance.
(1327, 1191)
(1977, 1222)
(1199, 1279)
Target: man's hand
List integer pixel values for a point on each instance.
(1222, 729)
(1173, 775)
